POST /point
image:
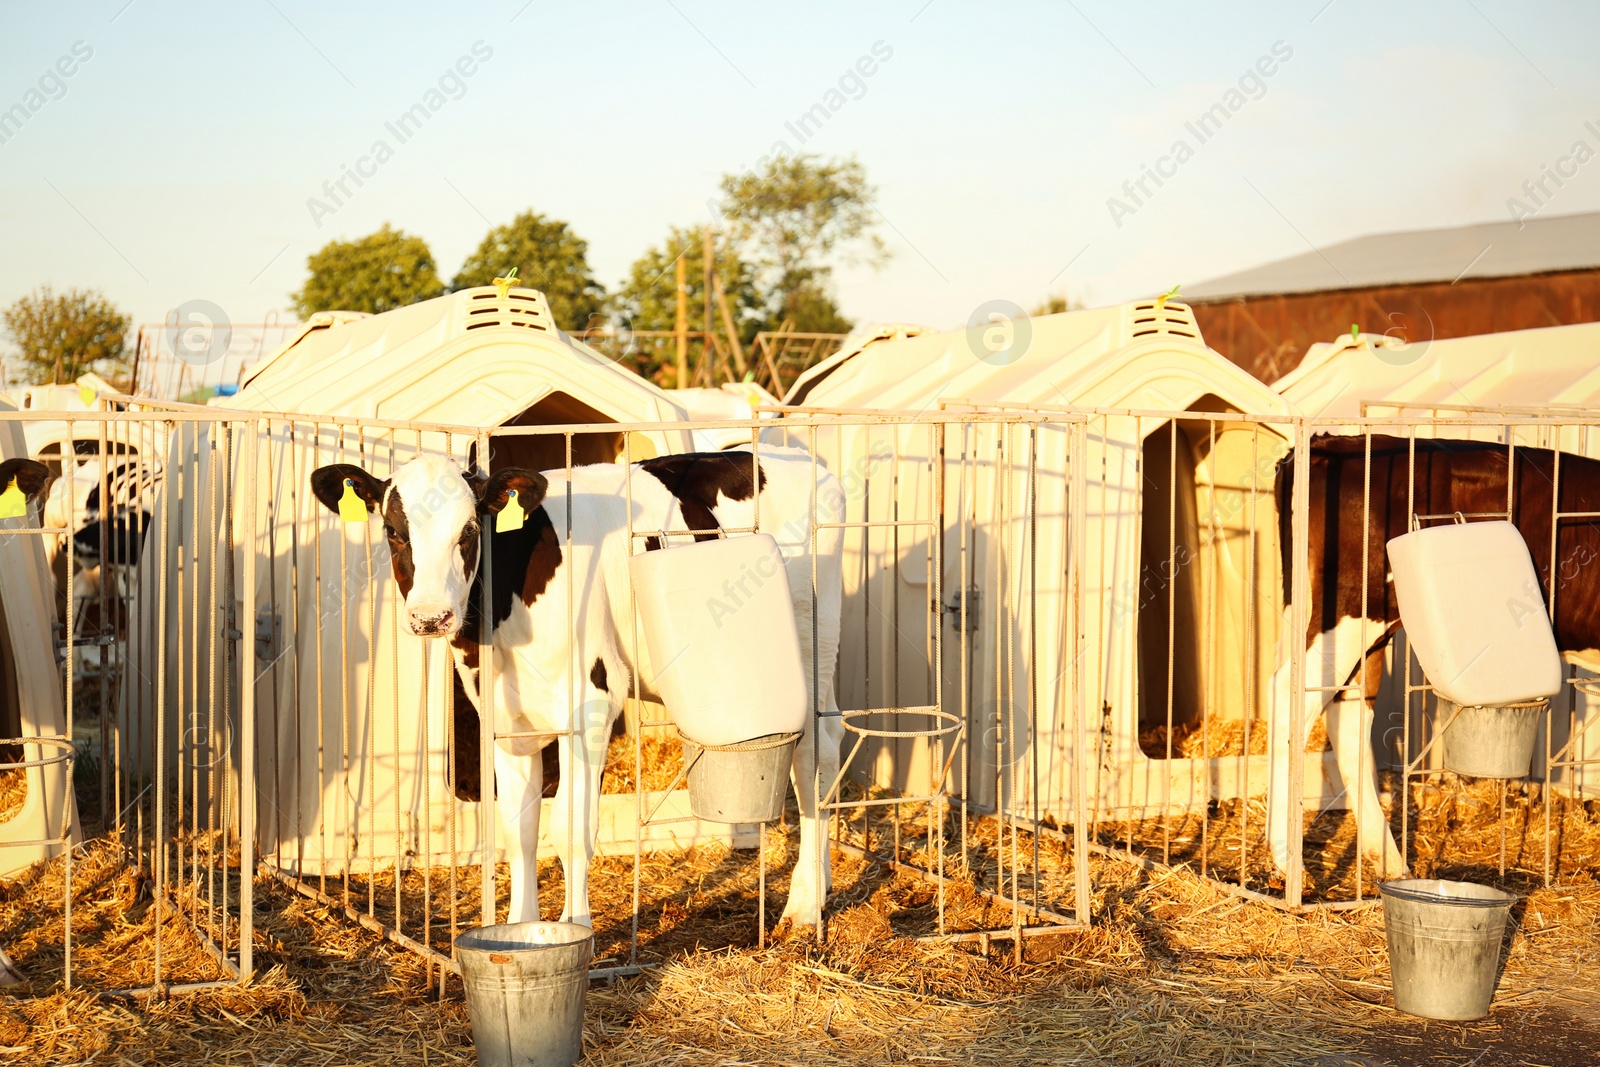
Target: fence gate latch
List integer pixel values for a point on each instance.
(970, 602)
(268, 626)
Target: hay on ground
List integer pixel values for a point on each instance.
(1172, 971)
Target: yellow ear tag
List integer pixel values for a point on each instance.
(505, 283)
(86, 395)
(351, 507)
(12, 503)
(511, 516)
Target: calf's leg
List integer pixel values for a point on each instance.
(519, 782)
(1350, 728)
(1330, 660)
(818, 750)
(576, 812)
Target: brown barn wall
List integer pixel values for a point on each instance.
(1267, 335)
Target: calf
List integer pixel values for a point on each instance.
(131, 491)
(561, 645)
(1449, 477)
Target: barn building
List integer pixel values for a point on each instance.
(1419, 285)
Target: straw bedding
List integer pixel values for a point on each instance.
(13, 792)
(1217, 737)
(1172, 971)
(1455, 824)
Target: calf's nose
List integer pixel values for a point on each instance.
(435, 623)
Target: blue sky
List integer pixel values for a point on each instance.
(177, 161)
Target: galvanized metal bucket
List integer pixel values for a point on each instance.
(1487, 742)
(746, 782)
(1444, 945)
(525, 986)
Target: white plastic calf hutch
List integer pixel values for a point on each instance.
(1542, 371)
(1470, 388)
(734, 401)
(354, 729)
(31, 703)
(1202, 496)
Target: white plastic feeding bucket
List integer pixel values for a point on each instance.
(1470, 601)
(718, 623)
(525, 985)
(719, 626)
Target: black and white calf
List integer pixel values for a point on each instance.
(562, 640)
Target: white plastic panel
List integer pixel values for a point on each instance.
(1471, 605)
(719, 626)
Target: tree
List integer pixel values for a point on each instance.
(810, 308)
(548, 256)
(1055, 304)
(63, 336)
(794, 216)
(648, 300)
(375, 273)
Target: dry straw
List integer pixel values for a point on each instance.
(1172, 972)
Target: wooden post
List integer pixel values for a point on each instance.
(764, 343)
(138, 350)
(733, 335)
(709, 258)
(681, 327)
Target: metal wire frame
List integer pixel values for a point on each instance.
(281, 450)
(144, 819)
(954, 459)
(1135, 786)
(1560, 428)
(63, 741)
(1296, 434)
(171, 827)
(1419, 750)
(829, 792)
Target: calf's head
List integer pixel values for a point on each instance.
(32, 478)
(432, 516)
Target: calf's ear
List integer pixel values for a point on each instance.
(328, 485)
(496, 490)
(33, 477)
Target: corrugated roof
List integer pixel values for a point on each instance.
(1484, 250)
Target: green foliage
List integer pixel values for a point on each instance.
(62, 336)
(648, 300)
(549, 257)
(1056, 304)
(794, 217)
(810, 308)
(375, 273)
